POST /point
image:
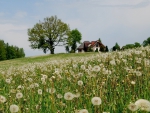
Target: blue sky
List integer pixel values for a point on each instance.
(122, 21)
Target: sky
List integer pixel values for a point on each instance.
(121, 21)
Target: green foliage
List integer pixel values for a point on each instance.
(67, 49)
(2, 50)
(146, 42)
(136, 44)
(106, 49)
(90, 49)
(48, 34)
(116, 47)
(131, 46)
(74, 37)
(10, 52)
(99, 40)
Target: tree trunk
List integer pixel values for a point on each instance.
(52, 50)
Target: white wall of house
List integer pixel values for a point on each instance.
(94, 48)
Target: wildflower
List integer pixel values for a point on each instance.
(14, 108)
(40, 91)
(83, 111)
(8, 81)
(51, 90)
(112, 62)
(44, 76)
(83, 67)
(2, 99)
(132, 82)
(96, 68)
(77, 95)
(19, 95)
(59, 96)
(20, 87)
(143, 104)
(80, 82)
(138, 73)
(80, 74)
(68, 96)
(96, 101)
(36, 85)
(132, 107)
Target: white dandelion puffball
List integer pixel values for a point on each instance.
(19, 95)
(68, 96)
(96, 68)
(8, 81)
(83, 111)
(2, 99)
(40, 91)
(59, 96)
(96, 101)
(80, 82)
(132, 107)
(14, 108)
(143, 104)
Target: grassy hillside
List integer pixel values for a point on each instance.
(113, 82)
(43, 58)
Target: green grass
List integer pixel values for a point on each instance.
(43, 58)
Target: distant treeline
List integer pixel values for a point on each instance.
(10, 52)
(130, 46)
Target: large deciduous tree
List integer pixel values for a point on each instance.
(48, 34)
(146, 42)
(74, 37)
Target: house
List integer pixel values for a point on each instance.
(91, 46)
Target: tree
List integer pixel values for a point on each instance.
(2, 50)
(146, 42)
(116, 47)
(136, 44)
(74, 37)
(99, 40)
(48, 34)
(106, 49)
(67, 48)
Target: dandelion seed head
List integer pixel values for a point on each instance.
(19, 95)
(2, 99)
(143, 104)
(68, 96)
(13, 108)
(132, 107)
(96, 101)
(80, 82)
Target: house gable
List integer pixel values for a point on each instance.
(93, 45)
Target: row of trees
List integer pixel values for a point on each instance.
(130, 46)
(51, 33)
(10, 52)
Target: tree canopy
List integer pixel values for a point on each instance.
(10, 52)
(74, 37)
(48, 34)
(116, 47)
(146, 42)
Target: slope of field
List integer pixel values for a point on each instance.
(113, 82)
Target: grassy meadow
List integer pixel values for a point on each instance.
(113, 82)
